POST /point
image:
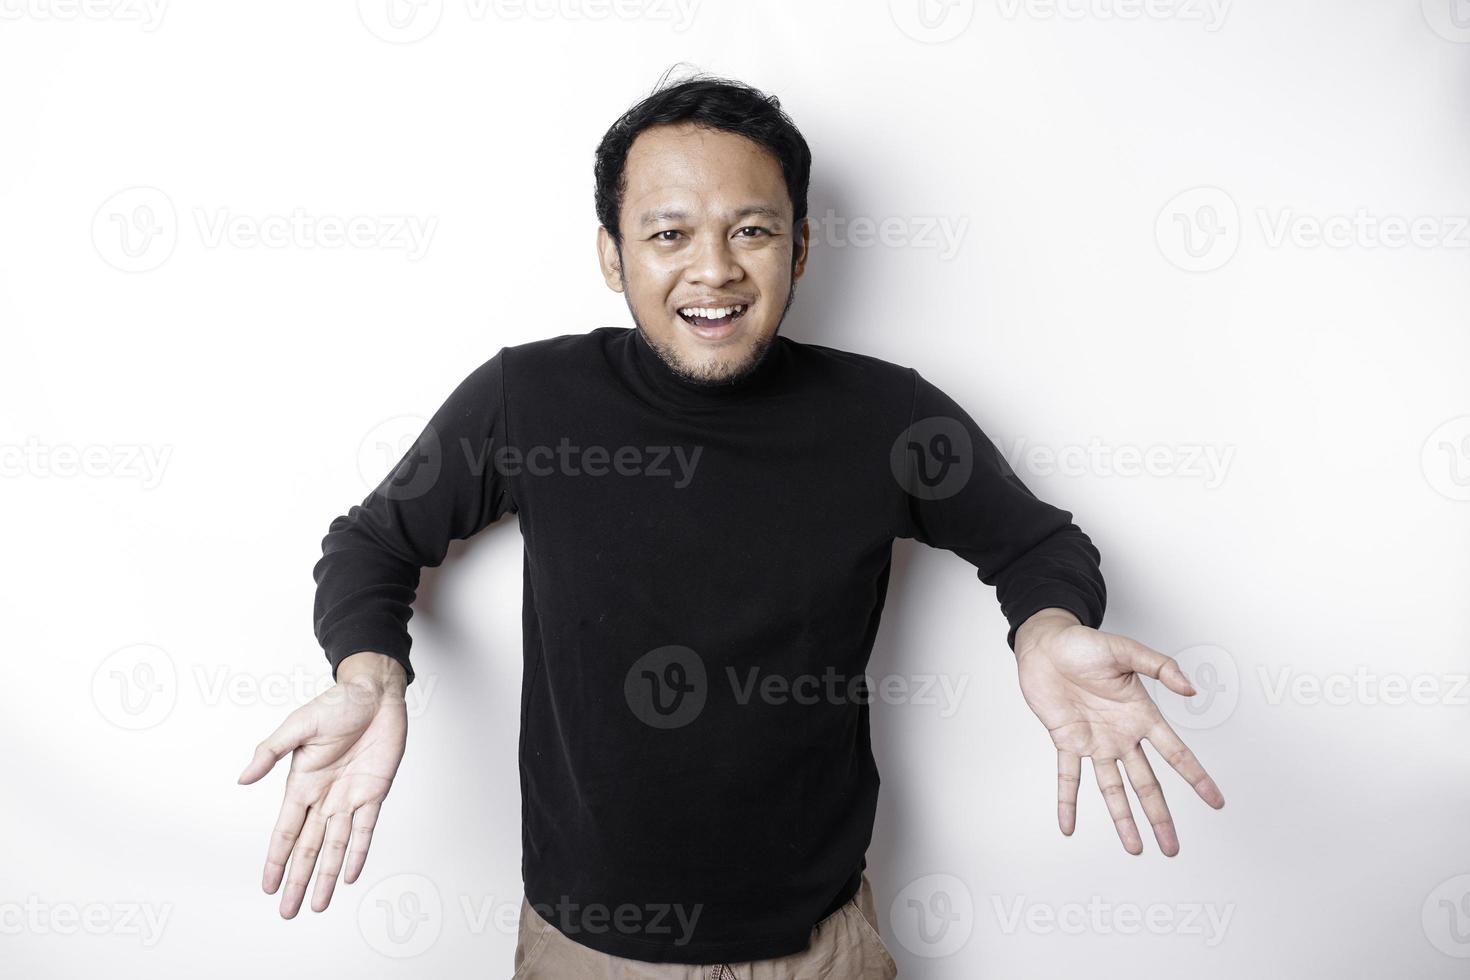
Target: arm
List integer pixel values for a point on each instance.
(443, 488)
(346, 744)
(963, 496)
(1083, 684)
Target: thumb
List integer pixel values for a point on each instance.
(284, 739)
(1144, 660)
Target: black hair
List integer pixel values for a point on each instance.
(716, 103)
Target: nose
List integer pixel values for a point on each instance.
(712, 262)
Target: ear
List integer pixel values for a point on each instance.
(609, 259)
(802, 243)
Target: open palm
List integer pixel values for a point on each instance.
(345, 748)
(1085, 687)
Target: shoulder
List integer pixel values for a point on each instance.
(563, 350)
(851, 369)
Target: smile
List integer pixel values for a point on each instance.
(702, 316)
(713, 323)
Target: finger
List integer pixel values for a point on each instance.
(1177, 754)
(1069, 775)
(278, 743)
(283, 837)
(363, 822)
(1152, 663)
(1151, 797)
(1111, 784)
(303, 859)
(334, 849)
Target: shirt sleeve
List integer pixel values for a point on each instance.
(443, 488)
(962, 495)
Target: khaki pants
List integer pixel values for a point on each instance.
(846, 946)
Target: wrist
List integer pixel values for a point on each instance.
(375, 672)
(1041, 623)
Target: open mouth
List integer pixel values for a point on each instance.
(712, 320)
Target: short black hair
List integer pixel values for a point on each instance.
(716, 103)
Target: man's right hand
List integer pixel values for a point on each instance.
(346, 745)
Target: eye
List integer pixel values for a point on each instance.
(755, 228)
(659, 235)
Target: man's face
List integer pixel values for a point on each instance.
(707, 229)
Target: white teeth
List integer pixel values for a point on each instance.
(711, 314)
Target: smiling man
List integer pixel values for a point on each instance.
(697, 781)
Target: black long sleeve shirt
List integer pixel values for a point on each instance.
(704, 571)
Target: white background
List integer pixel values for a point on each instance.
(230, 396)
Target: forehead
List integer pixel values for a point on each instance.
(693, 166)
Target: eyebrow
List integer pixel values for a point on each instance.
(660, 215)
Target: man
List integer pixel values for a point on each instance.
(708, 510)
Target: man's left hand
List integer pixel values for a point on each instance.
(1085, 687)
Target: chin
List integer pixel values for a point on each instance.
(729, 363)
